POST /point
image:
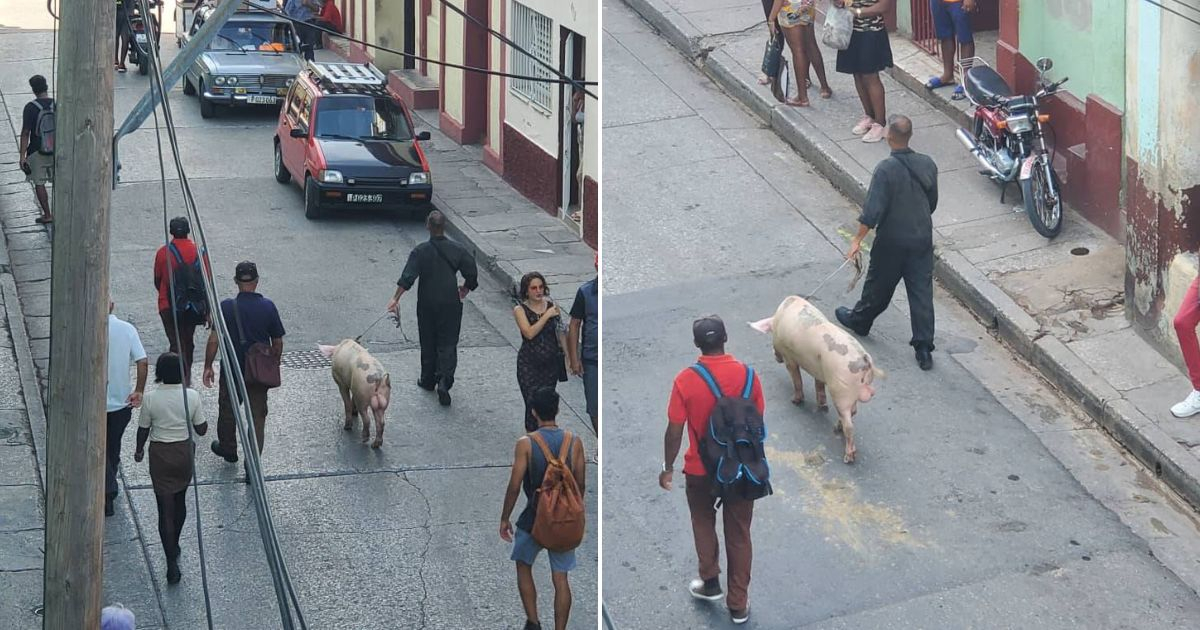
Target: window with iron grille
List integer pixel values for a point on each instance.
(531, 30)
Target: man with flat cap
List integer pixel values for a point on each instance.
(250, 318)
(689, 408)
(436, 263)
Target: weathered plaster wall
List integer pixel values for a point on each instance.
(452, 86)
(1162, 164)
(1086, 40)
(386, 19)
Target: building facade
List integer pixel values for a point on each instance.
(1126, 142)
(539, 136)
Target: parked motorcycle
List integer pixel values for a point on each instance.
(139, 46)
(1008, 140)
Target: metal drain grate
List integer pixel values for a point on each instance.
(305, 360)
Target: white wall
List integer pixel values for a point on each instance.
(582, 17)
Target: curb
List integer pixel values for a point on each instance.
(1056, 362)
(486, 257)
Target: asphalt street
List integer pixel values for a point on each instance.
(401, 537)
(980, 498)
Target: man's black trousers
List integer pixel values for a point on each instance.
(438, 327)
(889, 265)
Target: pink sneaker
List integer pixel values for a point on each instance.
(863, 126)
(875, 134)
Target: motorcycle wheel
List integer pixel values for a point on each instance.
(1045, 213)
(143, 64)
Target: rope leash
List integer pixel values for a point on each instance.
(828, 278)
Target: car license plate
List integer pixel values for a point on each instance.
(140, 37)
(255, 99)
(361, 198)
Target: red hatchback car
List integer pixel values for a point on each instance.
(349, 142)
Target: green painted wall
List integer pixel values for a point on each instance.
(1086, 40)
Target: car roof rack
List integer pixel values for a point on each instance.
(348, 78)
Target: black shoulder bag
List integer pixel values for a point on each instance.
(928, 197)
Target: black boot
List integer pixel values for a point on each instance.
(843, 316)
(924, 359)
(173, 574)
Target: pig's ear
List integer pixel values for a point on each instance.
(387, 379)
(327, 351)
(762, 325)
(879, 373)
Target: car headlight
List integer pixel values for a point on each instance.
(1019, 124)
(331, 177)
(231, 80)
(418, 178)
(290, 82)
(219, 80)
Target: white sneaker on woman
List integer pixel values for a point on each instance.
(1189, 407)
(863, 126)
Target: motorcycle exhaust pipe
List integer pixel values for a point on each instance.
(971, 146)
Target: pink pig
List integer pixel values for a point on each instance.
(364, 385)
(805, 340)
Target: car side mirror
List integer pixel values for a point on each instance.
(424, 135)
(299, 132)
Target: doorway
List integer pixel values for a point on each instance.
(572, 47)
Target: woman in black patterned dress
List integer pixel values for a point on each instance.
(539, 361)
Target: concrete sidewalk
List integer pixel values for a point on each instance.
(1058, 304)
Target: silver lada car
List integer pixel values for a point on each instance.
(253, 60)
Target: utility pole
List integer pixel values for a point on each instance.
(75, 431)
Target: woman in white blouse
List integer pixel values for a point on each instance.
(164, 421)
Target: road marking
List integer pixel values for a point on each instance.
(845, 518)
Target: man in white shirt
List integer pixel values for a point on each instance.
(124, 348)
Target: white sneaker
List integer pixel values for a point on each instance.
(875, 134)
(863, 126)
(1189, 407)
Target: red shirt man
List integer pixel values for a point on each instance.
(164, 266)
(691, 403)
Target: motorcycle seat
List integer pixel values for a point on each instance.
(985, 85)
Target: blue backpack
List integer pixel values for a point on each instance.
(732, 445)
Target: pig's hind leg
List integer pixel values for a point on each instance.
(797, 382)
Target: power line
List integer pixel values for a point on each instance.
(1169, 10)
(284, 590)
(565, 81)
(1186, 5)
(156, 79)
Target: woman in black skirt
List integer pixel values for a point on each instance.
(540, 361)
(164, 422)
(868, 54)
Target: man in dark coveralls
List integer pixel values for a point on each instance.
(900, 205)
(437, 263)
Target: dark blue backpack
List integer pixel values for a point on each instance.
(732, 445)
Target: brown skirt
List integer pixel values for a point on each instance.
(170, 466)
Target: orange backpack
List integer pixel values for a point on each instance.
(559, 523)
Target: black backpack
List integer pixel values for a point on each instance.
(190, 299)
(732, 445)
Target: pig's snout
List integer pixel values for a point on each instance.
(865, 393)
(762, 325)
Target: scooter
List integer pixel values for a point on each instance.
(139, 45)
(1008, 142)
